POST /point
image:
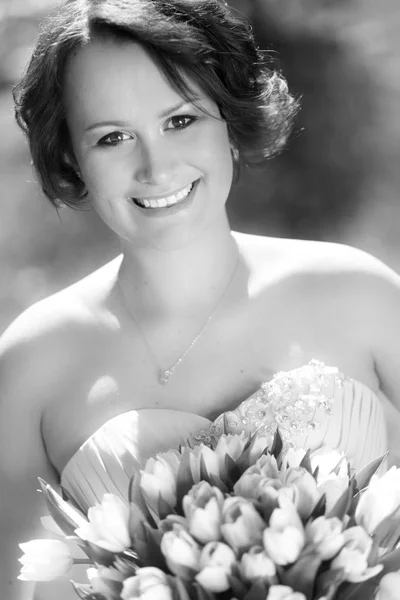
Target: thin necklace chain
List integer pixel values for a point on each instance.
(165, 374)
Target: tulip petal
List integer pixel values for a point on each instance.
(214, 579)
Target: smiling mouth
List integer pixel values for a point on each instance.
(165, 202)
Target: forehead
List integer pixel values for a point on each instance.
(108, 75)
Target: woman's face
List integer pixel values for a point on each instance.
(156, 168)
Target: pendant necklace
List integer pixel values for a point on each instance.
(165, 374)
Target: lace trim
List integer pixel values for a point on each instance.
(289, 402)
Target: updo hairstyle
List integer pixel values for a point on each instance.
(202, 41)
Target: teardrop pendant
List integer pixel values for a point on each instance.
(163, 376)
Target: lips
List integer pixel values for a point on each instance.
(166, 201)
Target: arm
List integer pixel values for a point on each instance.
(22, 453)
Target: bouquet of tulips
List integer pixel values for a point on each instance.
(242, 521)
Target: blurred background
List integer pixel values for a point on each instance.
(337, 180)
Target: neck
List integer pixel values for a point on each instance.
(182, 280)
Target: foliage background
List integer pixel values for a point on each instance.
(338, 179)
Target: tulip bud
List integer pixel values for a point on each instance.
(267, 493)
(333, 487)
(380, 499)
(326, 536)
(256, 565)
(306, 496)
(283, 547)
(284, 592)
(107, 525)
(216, 562)
(104, 579)
(284, 538)
(159, 478)
(242, 525)
(258, 444)
(267, 466)
(353, 557)
(264, 469)
(168, 523)
(149, 583)
(247, 485)
(389, 587)
(210, 459)
(181, 552)
(202, 507)
(45, 560)
(231, 445)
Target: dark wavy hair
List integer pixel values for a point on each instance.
(202, 41)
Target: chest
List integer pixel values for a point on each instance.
(115, 371)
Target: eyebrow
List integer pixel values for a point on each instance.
(163, 114)
(178, 106)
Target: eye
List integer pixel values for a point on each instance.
(180, 122)
(114, 139)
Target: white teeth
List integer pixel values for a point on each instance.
(167, 201)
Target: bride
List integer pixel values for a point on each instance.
(144, 111)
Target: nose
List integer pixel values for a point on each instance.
(153, 162)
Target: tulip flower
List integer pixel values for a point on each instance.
(305, 486)
(216, 562)
(267, 466)
(389, 587)
(284, 592)
(255, 565)
(267, 493)
(45, 560)
(380, 499)
(181, 552)
(107, 525)
(284, 538)
(231, 445)
(247, 486)
(326, 536)
(158, 478)
(242, 525)
(203, 506)
(264, 469)
(257, 446)
(333, 487)
(104, 579)
(210, 459)
(353, 557)
(149, 583)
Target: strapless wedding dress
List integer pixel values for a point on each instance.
(348, 416)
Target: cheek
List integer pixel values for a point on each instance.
(217, 150)
(104, 177)
(223, 142)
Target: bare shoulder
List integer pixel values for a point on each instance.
(63, 312)
(333, 278)
(355, 293)
(36, 349)
(311, 268)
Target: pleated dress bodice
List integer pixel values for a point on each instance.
(347, 416)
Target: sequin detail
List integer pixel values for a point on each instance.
(289, 402)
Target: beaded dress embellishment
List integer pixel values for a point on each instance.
(289, 402)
